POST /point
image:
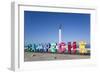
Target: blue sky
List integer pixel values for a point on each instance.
(43, 26)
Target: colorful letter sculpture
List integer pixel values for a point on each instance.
(69, 47)
(40, 47)
(62, 47)
(82, 48)
(57, 48)
(53, 48)
(34, 48)
(29, 47)
(46, 47)
(74, 47)
(37, 47)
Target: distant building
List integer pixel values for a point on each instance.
(60, 35)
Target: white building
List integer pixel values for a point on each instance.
(60, 35)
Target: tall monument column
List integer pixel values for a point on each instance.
(60, 37)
